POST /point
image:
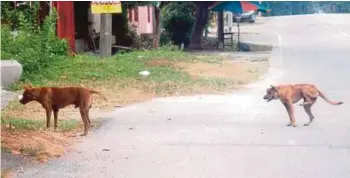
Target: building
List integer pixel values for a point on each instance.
(143, 19)
(76, 23)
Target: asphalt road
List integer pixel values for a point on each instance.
(237, 135)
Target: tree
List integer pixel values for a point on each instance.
(157, 9)
(178, 20)
(201, 14)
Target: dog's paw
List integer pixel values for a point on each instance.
(291, 124)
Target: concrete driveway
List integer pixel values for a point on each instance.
(237, 135)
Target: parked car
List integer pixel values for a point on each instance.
(248, 16)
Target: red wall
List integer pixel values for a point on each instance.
(65, 21)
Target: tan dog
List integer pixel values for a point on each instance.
(54, 98)
(290, 94)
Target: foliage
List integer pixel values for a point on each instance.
(165, 38)
(22, 14)
(140, 42)
(178, 21)
(33, 45)
(88, 68)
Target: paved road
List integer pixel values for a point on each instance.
(238, 135)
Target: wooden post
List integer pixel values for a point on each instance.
(106, 35)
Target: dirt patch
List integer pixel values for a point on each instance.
(6, 173)
(159, 63)
(39, 144)
(243, 72)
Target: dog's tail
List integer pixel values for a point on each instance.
(328, 100)
(97, 92)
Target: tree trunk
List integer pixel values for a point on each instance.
(220, 26)
(156, 36)
(157, 31)
(202, 14)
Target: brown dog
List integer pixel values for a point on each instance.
(290, 94)
(54, 98)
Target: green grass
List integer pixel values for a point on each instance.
(29, 124)
(83, 68)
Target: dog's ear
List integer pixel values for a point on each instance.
(25, 87)
(273, 87)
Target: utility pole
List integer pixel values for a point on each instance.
(106, 35)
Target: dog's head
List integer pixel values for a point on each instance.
(29, 94)
(271, 94)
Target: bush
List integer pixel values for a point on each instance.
(33, 45)
(140, 42)
(177, 20)
(165, 38)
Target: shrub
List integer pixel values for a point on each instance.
(177, 20)
(140, 42)
(33, 45)
(165, 38)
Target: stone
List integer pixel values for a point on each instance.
(11, 71)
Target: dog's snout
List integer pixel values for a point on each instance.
(20, 99)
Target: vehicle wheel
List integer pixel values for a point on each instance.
(252, 18)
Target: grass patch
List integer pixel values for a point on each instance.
(84, 68)
(122, 68)
(32, 125)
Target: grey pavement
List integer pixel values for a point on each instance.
(235, 135)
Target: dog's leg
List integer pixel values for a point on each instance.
(55, 117)
(307, 98)
(85, 120)
(290, 110)
(307, 109)
(88, 110)
(48, 116)
(88, 118)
